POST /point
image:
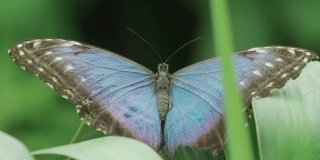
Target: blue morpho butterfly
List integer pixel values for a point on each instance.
(127, 99)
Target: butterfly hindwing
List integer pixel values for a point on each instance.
(118, 94)
(195, 118)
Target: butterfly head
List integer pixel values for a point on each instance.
(163, 67)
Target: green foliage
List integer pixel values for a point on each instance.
(39, 118)
(110, 147)
(9, 148)
(234, 121)
(287, 120)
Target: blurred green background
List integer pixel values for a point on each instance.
(40, 118)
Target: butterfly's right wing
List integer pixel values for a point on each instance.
(117, 94)
(196, 95)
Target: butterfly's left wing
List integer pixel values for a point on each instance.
(117, 94)
(196, 94)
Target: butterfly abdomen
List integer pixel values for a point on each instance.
(163, 104)
(162, 88)
(118, 96)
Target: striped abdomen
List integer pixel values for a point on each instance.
(162, 88)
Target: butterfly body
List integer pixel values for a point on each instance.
(124, 98)
(162, 87)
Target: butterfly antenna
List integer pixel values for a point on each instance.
(181, 48)
(146, 42)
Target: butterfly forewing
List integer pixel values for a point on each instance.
(196, 94)
(261, 70)
(117, 94)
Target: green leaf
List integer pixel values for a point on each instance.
(110, 147)
(287, 121)
(239, 146)
(12, 149)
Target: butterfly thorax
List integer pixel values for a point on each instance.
(162, 88)
(93, 80)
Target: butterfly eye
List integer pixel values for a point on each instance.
(163, 66)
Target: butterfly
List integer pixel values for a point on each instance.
(124, 98)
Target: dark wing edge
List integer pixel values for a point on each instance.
(195, 118)
(258, 71)
(32, 56)
(288, 64)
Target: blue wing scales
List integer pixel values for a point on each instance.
(118, 94)
(195, 118)
(120, 97)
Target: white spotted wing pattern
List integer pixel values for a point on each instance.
(120, 95)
